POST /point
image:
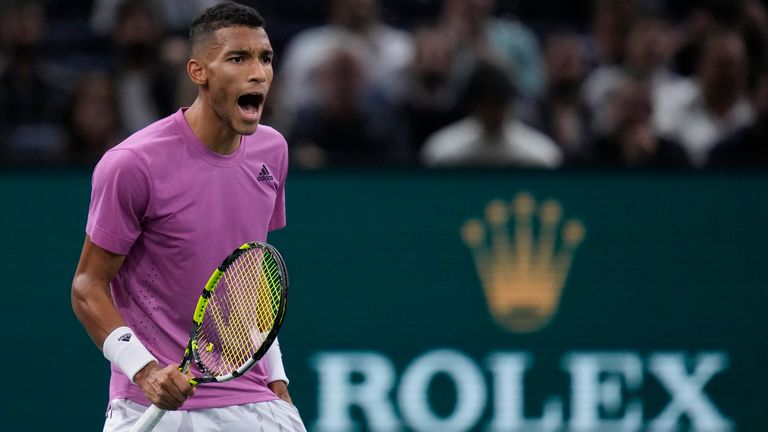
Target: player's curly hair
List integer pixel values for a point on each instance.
(226, 14)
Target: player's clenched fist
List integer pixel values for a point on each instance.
(167, 388)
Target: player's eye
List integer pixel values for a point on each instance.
(236, 59)
(267, 59)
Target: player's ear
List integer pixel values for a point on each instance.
(196, 72)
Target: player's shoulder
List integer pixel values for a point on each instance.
(161, 131)
(269, 131)
(151, 140)
(139, 148)
(267, 136)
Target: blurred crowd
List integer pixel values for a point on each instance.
(434, 83)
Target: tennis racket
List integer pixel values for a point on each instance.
(236, 319)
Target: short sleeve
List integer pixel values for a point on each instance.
(278, 219)
(121, 191)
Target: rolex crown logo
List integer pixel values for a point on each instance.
(523, 252)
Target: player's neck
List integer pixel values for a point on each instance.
(209, 129)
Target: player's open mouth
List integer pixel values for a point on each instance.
(250, 105)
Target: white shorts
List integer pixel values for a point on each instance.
(271, 416)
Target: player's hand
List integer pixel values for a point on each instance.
(167, 388)
(280, 388)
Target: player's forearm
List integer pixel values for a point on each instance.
(94, 308)
(280, 389)
(91, 299)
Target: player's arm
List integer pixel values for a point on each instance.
(91, 299)
(93, 305)
(280, 388)
(277, 381)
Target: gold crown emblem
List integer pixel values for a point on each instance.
(523, 272)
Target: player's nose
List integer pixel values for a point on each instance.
(258, 73)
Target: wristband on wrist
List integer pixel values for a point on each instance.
(124, 349)
(275, 369)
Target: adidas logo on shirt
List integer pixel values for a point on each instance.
(264, 174)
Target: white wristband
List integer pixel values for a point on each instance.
(275, 369)
(124, 349)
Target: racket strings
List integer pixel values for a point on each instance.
(241, 312)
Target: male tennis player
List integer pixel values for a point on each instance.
(167, 205)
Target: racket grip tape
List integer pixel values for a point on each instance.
(148, 420)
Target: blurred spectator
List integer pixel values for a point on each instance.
(177, 15)
(610, 21)
(646, 54)
(748, 147)
(174, 17)
(754, 25)
(337, 129)
(391, 90)
(145, 87)
(352, 24)
(749, 17)
(491, 135)
(631, 140)
(562, 115)
(481, 37)
(92, 122)
(699, 112)
(174, 55)
(32, 90)
(23, 28)
(431, 96)
(703, 18)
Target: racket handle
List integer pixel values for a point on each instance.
(148, 420)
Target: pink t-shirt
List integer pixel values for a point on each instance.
(176, 209)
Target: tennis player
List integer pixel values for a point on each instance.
(167, 205)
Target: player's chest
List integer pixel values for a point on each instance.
(214, 197)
